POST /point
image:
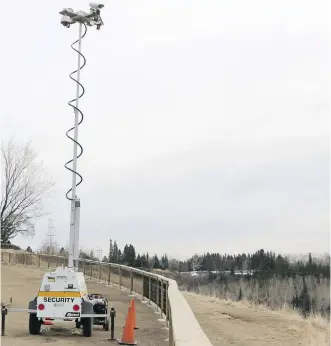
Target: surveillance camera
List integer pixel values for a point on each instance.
(96, 6)
(66, 21)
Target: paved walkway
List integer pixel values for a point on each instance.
(22, 284)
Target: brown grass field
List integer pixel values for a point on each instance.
(227, 322)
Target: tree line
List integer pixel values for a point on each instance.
(261, 263)
(128, 256)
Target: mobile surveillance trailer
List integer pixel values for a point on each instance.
(63, 293)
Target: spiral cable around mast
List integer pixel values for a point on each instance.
(81, 116)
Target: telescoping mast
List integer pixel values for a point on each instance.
(63, 293)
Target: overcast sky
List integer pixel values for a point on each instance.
(206, 122)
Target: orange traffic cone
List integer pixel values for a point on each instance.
(133, 305)
(128, 330)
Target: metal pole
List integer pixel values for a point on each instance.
(162, 298)
(3, 319)
(157, 295)
(100, 271)
(131, 281)
(76, 236)
(120, 276)
(149, 290)
(167, 303)
(74, 162)
(112, 323)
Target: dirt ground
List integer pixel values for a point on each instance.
(22, 284)
(239, 323)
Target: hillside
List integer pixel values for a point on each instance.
(240, 323)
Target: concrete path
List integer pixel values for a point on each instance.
(22, 284)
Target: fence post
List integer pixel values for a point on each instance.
(120, 276)
(167, 303)
(9, 260)
(157, 295)
(48, 261)
(1, 256)
(91, 270)
(131, 279)
(143, 292)
(108, 274)
(112, 323)
(38, 264)
(149, 290)
(100, 271)
(162, 298)
(3, 319)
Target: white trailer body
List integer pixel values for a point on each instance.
(60, 295)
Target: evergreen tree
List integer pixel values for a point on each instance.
(138, 262)
(119, 256)
(144, 261)
(115, 253)
(111, 251)
(165, 261)
(305, 302)
(156, 262)
(129, 255)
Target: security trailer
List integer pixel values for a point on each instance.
(63, 293)
(63, 297)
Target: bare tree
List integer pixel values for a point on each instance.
(24, 185)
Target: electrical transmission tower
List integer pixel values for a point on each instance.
(99, 253)
(50, 234)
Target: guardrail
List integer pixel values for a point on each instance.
(184, 329)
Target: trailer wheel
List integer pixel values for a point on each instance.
(106, 324)
(34, 324)
(87, 323)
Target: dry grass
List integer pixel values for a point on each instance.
(274, 293)
(229, 322)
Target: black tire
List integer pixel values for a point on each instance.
(87, 326)
(106, 324)
(34, 324)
